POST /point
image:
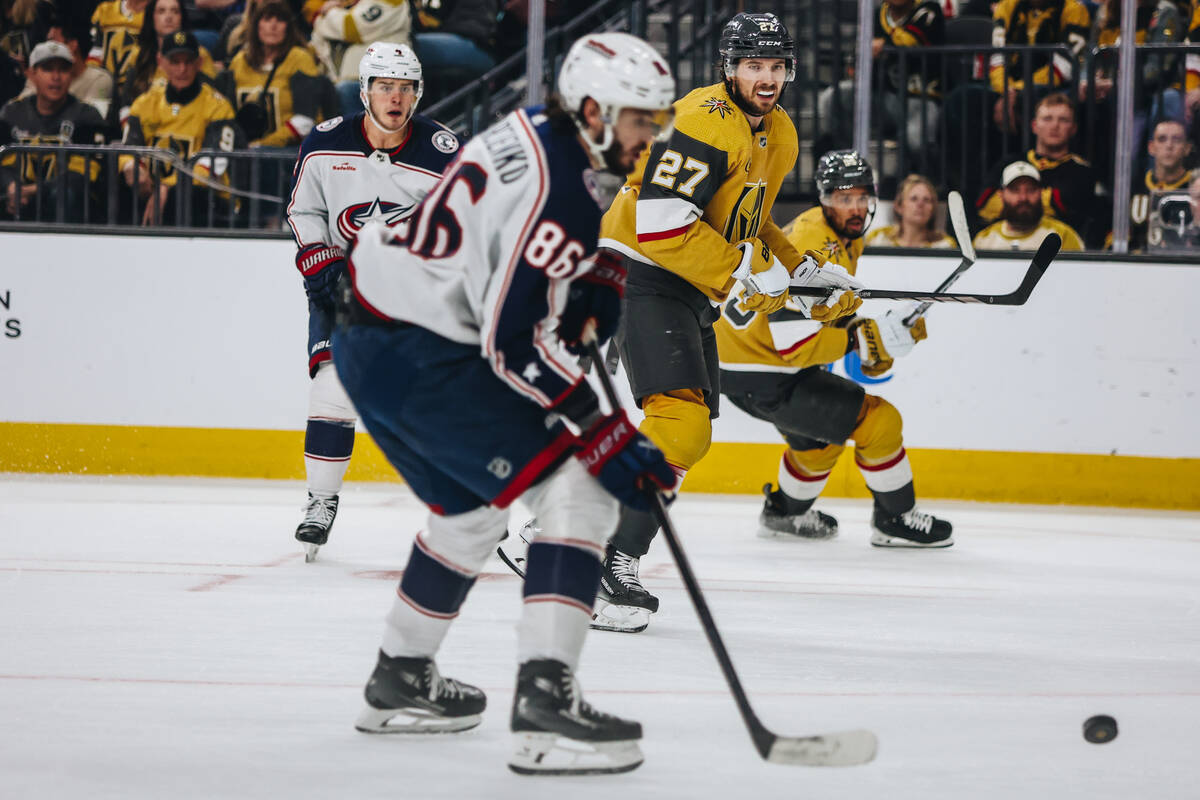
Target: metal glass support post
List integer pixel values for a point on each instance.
(1123, 161)
(535, 49)
(862, 78)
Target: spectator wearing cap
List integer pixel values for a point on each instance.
(184, 116)
(143, 68)
(51, 115)
(1023, 222)
(89, 83)
(1069, 181)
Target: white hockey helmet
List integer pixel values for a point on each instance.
(388, 60)
(618, 71)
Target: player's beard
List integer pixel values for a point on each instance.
(841, 230)
(613, 161)
(1024, 215)
(747, 104)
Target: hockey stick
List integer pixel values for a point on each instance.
(1037, 268)
(842, 749)
(958, 221)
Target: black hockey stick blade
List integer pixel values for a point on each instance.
(842, 749)
(1037, 268)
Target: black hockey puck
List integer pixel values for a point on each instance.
(1100, 729)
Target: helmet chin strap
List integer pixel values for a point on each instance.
(382, 128)
(596, 149)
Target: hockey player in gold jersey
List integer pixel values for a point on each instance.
(694, 220)
(772, 368)
(184, 116)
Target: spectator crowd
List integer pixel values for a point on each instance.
(187, 76)
(951, 90)
(972, 111)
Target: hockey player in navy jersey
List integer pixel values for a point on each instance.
(456, 347)
(376, 165)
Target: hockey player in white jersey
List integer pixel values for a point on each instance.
(376, 165)
(455, 346)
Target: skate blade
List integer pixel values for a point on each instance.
(310, 552)
(879, 539)
(622, 619)
(768, 533)
(411, 720)
(551, 754)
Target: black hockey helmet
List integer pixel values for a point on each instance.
(756, 36)
(843, 169)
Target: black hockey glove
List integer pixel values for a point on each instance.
(595, 296)
(321, 265)
(624, 460)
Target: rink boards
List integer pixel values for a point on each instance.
(170, 356)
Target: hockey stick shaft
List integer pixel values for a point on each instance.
(853, 747)
(962, 234)
(1037, 268)
(758, 732)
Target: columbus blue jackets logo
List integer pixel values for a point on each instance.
(352, 218)
(718, 105)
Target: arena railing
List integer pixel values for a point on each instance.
(242, 192)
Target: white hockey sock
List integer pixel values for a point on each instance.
(324, 476)
(893, 474)
(410, 633)
(551, 630)
(797, 485)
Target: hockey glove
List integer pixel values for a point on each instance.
(321, 265)
(763, 275)
(815, 270)
(624, 460)
(883, 339)
(595, 297)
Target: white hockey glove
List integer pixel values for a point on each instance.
(763, 275)
(882, 339)
(815, 270)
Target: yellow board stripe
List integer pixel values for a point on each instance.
(731, 468)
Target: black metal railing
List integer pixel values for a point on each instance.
(117, 186)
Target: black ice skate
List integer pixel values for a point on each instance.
(314, 529)
(557, 733)
(913, 528)
(622, 603)
(408, 695)
(777, 521)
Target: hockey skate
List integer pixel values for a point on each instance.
(557, 733)
(913, 528)
(775, 521)
(622, 604)
(408, 695)
(513, 550)
(314, 529)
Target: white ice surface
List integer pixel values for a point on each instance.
(164, 639)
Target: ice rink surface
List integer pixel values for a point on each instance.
(164, 639)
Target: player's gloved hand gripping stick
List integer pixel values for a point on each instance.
(846, 748)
